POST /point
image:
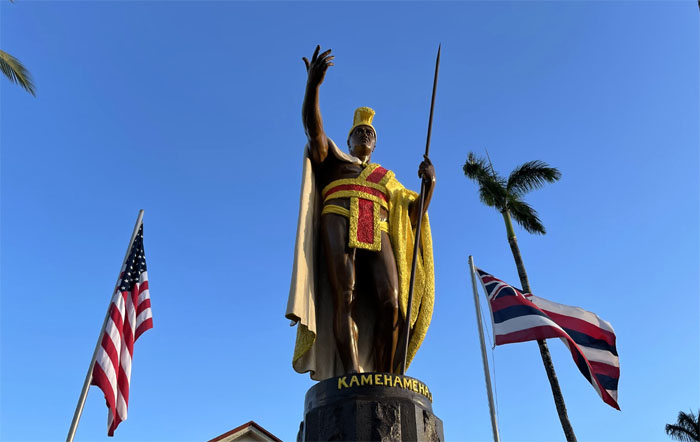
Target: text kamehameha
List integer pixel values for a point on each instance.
(387, 380)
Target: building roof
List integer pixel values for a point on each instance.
(250, 431)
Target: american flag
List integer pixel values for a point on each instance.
(519, 317)
(129, 316)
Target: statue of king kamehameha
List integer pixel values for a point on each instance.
(353, 251)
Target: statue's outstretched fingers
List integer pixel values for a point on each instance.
(321, 60)
(306, 62)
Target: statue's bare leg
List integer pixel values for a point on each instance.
(386, 282)
(340, 266)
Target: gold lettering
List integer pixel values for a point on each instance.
(353, 380)
(397, 381)
(366, 379)
(341, 382)
(421, 389)
(406, 383)
(414, 385)
(387, 380)
(378, 379)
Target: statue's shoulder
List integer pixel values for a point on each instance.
(335, 151)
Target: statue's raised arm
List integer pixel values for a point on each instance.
(310, 110)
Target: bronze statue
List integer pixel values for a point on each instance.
(353, 250)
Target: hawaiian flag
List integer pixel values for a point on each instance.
(519, 317)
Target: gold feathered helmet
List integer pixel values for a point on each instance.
(363, 117)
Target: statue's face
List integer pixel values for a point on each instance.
(362, 141)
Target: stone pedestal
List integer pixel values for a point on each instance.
(370, 407)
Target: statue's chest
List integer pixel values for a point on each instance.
(364, 200)
(338, 171)
(348, 171)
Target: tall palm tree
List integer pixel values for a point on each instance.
(686, 428)
(506, 196)
(16, 72)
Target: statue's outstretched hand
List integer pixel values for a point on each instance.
(317, 67)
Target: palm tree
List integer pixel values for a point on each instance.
(506, 196)
(686, 428)
(16, 72)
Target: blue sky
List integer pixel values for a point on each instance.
(191, 111)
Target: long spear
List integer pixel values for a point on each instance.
(421, 203)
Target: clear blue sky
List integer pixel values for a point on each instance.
(191, 111)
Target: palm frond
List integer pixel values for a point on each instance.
(686, 428)
(493, 193)
(525, 215)
(492, 188)
(16, 72)
(531, 175)
(691, 422)
(475, 168)
(679, 433)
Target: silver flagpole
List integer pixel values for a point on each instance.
(88, 376)
(487, 375)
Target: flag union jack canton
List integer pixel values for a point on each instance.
(129, 316)
(519, 317)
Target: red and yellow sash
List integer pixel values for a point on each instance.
(368, 194)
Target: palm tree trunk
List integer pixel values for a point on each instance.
(544, 351)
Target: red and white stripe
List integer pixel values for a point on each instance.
(129, 316)
(519, 317)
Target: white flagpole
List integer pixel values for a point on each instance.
(88, 377)
(487, 375)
